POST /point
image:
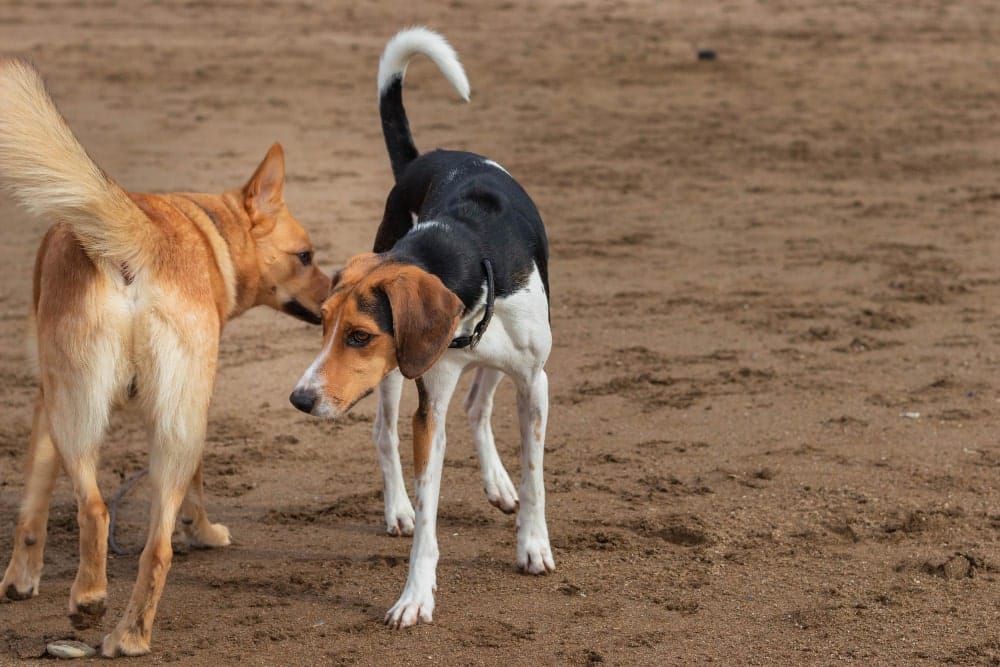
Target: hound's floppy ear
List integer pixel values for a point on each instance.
(264, 192)
(425, 315)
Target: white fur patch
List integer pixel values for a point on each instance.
(518, 337)
(426, 224)
(411, 41)
(497, 165)
(516, 343)
(312, 379)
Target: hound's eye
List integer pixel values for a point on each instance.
(358, 338)
(305, 257)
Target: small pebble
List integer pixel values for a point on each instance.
(69, 649)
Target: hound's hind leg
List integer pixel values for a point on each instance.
(499, 488)
(534, 554)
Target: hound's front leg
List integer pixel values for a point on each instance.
(416, 604)
(398, 510)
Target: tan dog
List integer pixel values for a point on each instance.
(131, 292)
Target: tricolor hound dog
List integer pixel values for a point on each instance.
(458, 279)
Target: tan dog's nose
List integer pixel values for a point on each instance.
(304, 400)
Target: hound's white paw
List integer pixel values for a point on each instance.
(500, 491)
(399, 517)
(534, 555)
(410, 609)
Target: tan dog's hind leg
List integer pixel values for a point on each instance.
(132, 634)
(86, 597)
(177, 410)
(82, 370)
(499, 488)
(199, 531)
(41, 469)
(78, 392)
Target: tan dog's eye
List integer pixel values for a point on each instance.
(306, 257)
(358, 338)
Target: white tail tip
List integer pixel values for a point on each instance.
(418, 40)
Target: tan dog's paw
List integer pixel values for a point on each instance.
(208, 536)
(122, 643)
(15, 593)
(85, 615)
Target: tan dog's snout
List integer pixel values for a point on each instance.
(289, 280)
(306, 303)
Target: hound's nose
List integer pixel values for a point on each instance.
(303, 399)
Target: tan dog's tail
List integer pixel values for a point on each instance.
(49, 173)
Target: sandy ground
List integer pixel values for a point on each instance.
(759, 265)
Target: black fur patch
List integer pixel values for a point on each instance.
(396, 128)
(296, 309)
(376, 305)
(482, 213)
(127, 274)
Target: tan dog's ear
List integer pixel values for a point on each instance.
(425, 315)
(264, 192)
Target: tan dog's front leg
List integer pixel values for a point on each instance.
(199, 531)
(42, 467)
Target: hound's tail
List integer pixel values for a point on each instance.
(392, 69)
(49, 173)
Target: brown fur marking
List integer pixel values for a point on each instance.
(423, 431)
(425, 315)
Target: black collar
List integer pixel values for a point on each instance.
(472, 340)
